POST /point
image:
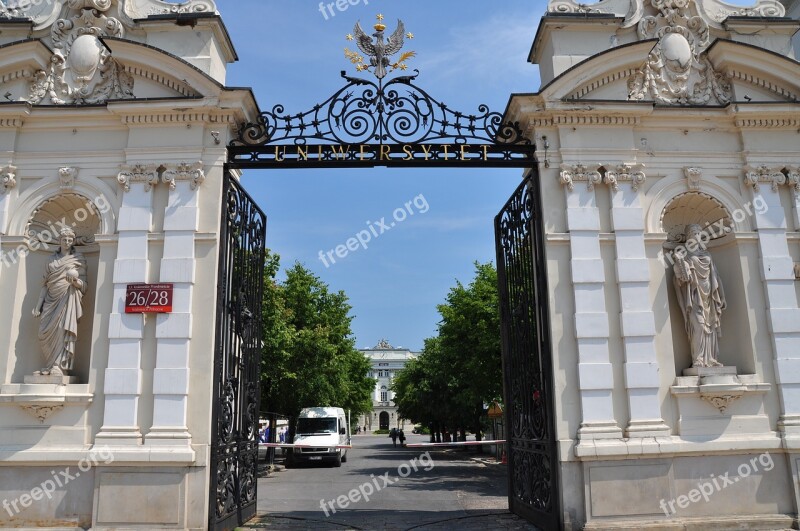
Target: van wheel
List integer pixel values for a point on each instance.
(338, 461)
(344, 458)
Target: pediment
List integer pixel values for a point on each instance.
(29, 72)
(745, 73)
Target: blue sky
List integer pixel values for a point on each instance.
(469, 53)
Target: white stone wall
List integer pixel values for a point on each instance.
(631, 429)
(159, 172)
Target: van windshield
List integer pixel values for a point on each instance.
(307, 426)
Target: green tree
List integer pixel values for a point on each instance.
(460, 370)
(309, 356)
(470, 336)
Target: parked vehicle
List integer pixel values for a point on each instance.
(321, 429)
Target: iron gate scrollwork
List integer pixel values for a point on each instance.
(234, 441)
(527, 363)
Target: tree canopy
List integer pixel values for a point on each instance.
(460, 370)
(309, 356)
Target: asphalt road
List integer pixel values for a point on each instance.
(382, 487)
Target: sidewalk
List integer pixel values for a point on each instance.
(383, 521)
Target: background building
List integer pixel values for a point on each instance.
(386, 362)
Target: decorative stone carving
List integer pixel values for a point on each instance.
(81, 68)
(676, 73)
(632, 173)
(713, 12)
(144, 8)
(793, 178)
(185, 172)
(8, 179)
(720, 402)
(764, 8)
(693, 176)
(138, 173)
(41, 13)
(60, 307)
(754, 176)
(41, 412)
(67, 176)
(572, 173)
(797, 271)
(700, 296)
(383, 345)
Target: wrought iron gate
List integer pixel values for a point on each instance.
(527, 364)
(234, 442)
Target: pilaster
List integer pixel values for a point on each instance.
(638, 326)
(123, 375)
(777, 273)
(595, 373)
(174, 331)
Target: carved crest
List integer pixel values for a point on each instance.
(81, 68)
(676, 72)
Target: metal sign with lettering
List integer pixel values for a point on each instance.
(149, 298)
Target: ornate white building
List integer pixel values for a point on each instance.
(386, 362)
(654, 115)
(114, 121)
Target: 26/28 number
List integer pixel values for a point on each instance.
(148, 298)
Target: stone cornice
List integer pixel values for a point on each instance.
(178, 117)
(178, 86)
(11, 123)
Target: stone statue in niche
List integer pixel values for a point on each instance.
(60, 306)
(700, 296)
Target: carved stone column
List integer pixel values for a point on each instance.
(123, 375)
(595, 372)
(638, 325)
(777, 272)
(174, 330)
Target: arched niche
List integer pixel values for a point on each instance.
(720, 225)
(41, 234)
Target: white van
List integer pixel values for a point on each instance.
(321, 428)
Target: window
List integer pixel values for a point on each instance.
(384, 396)
(308, 426)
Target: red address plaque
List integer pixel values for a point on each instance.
(149, 298)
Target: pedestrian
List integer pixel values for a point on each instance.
(393, 435)
(402, 437)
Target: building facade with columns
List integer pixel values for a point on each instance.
(653, 116)
(386, 361)
(115, 124)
